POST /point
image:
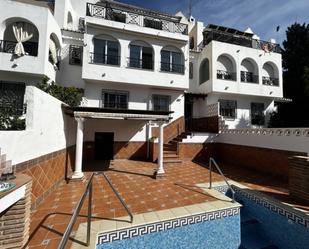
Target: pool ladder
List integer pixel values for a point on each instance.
(88, 191)
(213, 162)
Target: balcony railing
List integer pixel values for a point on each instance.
(225, 75)
(173, 68)
(140, 63)
(269, 81)
(31, 48)
(248, 77)
(120, 15)
(98, 58)
(240, 40)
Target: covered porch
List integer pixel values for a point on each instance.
(113, 121)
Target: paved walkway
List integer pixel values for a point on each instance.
(142, 193)
(134, 181)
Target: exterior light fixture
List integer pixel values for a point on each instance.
(172, 81)
(270, 93)
(104, 74)
(226, 88)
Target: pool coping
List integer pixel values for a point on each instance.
(106, 231)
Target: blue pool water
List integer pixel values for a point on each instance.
(264, 224)
(215, 234)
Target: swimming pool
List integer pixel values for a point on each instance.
(260, 223)
(267, 223)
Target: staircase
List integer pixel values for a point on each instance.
(170, 149)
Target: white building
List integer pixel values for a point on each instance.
(240, 75)
(142, 78)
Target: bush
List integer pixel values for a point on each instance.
(69, 95)
(9, 121)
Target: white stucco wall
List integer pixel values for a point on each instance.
(43, 20)
(139, 97)
(48, 129)
(132, 75)
(291, 141)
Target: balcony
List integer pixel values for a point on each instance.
(248, 77)
(137, 16)
(31, 48)
(140, 63)
(239, 39)
(98, 58)
(225, 75)
(172, 67)
(269, 81)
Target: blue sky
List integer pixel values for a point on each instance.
(263, 16)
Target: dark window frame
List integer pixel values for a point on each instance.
(156, 97)
(170, 66)
(106, 57)
(228, 108)
(76, 53)
(117, 102)
(257, 113)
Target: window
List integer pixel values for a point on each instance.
(172, 61)
(76, 55)
(12, 97)
(204, 71)
(228, 108)
(151, 23)
(191, 42)
(191, 70)
(105, 52)
(161, 102)
(257, 114)
(115, 99)
(141, 57)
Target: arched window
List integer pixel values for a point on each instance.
(204, 71)
(226, 67)
(69, 20)
(172, 60)
(20, 38)
(270, 74)
(141, 55)
(249, 71)
(106, 50)
(54, 50)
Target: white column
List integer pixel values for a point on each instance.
(160, 151)
(79, 149)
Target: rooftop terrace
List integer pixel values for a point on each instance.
(236, 37)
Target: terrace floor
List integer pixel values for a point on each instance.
(142, 193)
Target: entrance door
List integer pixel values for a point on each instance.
(188, 113)
(104, 146)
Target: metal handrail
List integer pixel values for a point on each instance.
(66, 235)
(212, 161)
(119, 197)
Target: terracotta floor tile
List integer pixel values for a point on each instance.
(135, 183)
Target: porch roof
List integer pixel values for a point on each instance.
(122, 114)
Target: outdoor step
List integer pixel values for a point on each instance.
(170, 156)
(172, 161)
(169, 152)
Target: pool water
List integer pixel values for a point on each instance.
(269, 225)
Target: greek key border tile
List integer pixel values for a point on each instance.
(274, 206)
(165, 225)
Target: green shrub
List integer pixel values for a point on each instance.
(69, 95)
(9, 121)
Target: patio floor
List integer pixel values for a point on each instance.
(142, 193)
